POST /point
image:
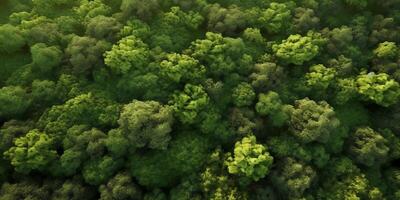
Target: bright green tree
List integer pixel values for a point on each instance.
(379, 88)
(386, 50)
(189, 103)
(129, 53)
(182, 68)
(296, 49)
(249, 159)
(34, 151)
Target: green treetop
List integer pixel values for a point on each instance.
(34, 151)
(243, 95)
(379, 88)
(312, 121)
(146, 124)
(249, 159)
(386, 50)
(296, 49)
(189, 103)
(129, 53)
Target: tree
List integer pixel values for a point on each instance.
(182, 68)
(11, 130)
(296, 49)
(100, 170)
(14, 101)
(271, 105)
(305, 19)
(117, 143)
(189, 103)
(350, 187)
(120, 187)
(342, 65)
(346, 182)
(253, 35)
(274, 19)
(146, 124)
(43, 93)
(80, 144)
(213, 124)
(11, 39)
(311, 121)
(221, 55)
(215, 182)
(69, 86)
(86, 53)
(346, 90)
(382, 29)
(189, 188)
(141, 9)
(28, 189)
(34, 151)
(339, 40)
(386, 50)
(292, 178)
(250, 159)
(226, 20)
(320, 77)
(129, 53)
(393, 176)
(102, 27)
(45, 58)
(146, 86)
(174, 30)
(8, 133)
(268, 103)
(85, 109)
(379, 88)
(241, 120)
(243, 95)
(286, 146)
(90, 9)
(185, 156)
(73, 189)
(368, 147)
(267, 76)
(135, 27)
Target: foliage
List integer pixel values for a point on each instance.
(311, 121)
(146, 124)
(34, 151)
(189, 103)
(379, 88)
(243, 95)
(13, 101)
(296, 49)
(249, 159)
(199, 99)
(368, 147)
(130, 53)
(11, 39)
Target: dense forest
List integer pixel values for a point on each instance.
(199, 99)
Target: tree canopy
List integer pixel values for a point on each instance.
(199, 99)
